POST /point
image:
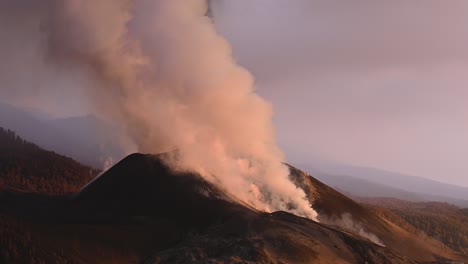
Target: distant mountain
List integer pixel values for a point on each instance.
(370, 182)
(87, 139)
(140, 211)
(25, 167)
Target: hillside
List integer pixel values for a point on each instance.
(440, 221)
(25, 167)
(340, 211)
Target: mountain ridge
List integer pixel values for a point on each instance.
(390, 184)
(86, 139)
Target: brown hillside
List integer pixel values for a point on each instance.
(338, 210)
(441, 221)
(25, 167)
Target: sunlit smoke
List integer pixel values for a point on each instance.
(159, 68)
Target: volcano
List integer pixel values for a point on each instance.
(142, 188)
(142, 211)
(224, 230)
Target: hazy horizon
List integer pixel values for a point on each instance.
(317, 163)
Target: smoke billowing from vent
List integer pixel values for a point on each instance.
(159, 68)
(346, 222)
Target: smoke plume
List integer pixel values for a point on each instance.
(346, 222)
(158, 68)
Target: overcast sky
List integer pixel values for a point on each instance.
(372, 83)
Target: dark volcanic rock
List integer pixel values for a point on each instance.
(142, 185)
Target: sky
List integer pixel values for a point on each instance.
(381, 84)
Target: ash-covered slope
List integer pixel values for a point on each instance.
(220, 229)
(142, 185)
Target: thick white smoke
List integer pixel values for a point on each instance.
(159, 68)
